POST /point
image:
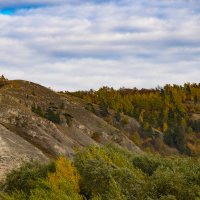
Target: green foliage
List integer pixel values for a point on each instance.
(38, 110)
(125, 121)
(168, 197)
(109, 173)
(44, 191)
(118, 116)
(171, 182)
(104, 109)
(136, 138)
(106, 173)
(52, 116)
(176, 138)
(17, 195)
(57, 181)
(148, 164)
(195, 125)
(23, 179)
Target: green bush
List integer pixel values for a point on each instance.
(24, 178)
(52, 116)
(172, 182)
(38, 110)
(108, 172)
(146, 163)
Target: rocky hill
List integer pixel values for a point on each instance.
(38, 123)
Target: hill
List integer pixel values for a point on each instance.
(38, 123)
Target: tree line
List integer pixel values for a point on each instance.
(169, 109)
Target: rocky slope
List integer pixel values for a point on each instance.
(38, 123)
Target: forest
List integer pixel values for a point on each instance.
(106, 173)
(173, 110)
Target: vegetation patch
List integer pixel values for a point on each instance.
(102, 173)
(49, 114)
(90, 107)
(69, 119)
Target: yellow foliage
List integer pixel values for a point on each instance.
(141, 116)
(136, 138)
(65, 171)
(96, 152)
(165, 126)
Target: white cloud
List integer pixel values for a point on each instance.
(81, 46)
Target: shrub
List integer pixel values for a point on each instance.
(52, 116)
(38, 110)
(146, 163)
(24, 178)
(69, 119)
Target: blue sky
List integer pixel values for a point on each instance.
(78, 45)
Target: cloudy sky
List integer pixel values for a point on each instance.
(82, 44)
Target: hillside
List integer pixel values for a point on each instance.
(61, 145)
(167, 116)
(38, 123)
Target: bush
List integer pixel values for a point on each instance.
(24, 178)
(146, 163)
(167, 182)
(52, 116)
(38, 110)
(108, 172)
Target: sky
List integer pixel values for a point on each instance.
(86, 44)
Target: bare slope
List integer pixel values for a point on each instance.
(27, 131)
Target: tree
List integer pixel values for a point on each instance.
(104, 109)
(54, 117)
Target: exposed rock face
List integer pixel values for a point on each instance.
(14, 150)
(25, 135)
